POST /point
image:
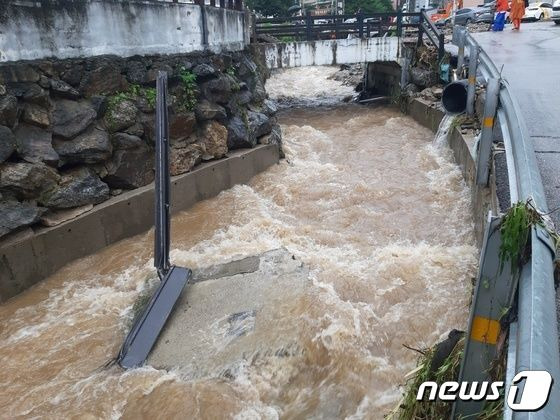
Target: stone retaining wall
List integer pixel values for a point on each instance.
(74, 133)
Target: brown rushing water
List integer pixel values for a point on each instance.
(378, 212)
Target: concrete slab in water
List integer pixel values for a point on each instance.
(226, 316)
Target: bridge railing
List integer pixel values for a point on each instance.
(313, 28)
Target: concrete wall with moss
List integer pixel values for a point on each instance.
(32, 30)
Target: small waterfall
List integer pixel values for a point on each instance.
(443, 130)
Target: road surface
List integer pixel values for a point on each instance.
(531, 64)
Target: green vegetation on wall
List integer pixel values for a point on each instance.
(188, 80)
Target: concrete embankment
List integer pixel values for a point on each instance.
(26, 260)
(463, 144)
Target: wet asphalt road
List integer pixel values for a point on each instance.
(531, 64)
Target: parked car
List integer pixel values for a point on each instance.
(487, 12)
(462, 17)
(538, 11)
(556, 12)
(465, 16)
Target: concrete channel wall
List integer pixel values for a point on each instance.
(27, 260)
(31, 30)
(329, 52)
(483, 199)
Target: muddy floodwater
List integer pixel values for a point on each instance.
(374, 207)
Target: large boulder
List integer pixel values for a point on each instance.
(248, 72)
(156, 68)
(7, 143)
(34, 144)
(206, 110)
(258, 90)
(136, 72)
(8, 110)
(259, 124)
(130, 168)
(90, 147)
(14, 215)
(423, 77)
(70, 118)
(105, 79)
(238, 135)
(73, 75)
(120, 115)
(182, 160)
(125, 141)
(30, 92)
(218, 90)
(269, 107)
(181, 125)
(77, 187)
(36, 115)
(275, 137)
(214, 140)
(204, 71)
(244, 95)
(63, 89)
(27, 180)
(19, 72)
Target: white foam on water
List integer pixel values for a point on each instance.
(378, 213)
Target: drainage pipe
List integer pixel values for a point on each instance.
(454, 97)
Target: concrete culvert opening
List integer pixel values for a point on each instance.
(454, 97)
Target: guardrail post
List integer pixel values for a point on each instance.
(441, 47)
(486, 136)
(309, 26)
(473, 65)
(461, 45)
(420, 35)
(360, 23)
(494, 291)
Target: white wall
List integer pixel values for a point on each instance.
(329, 52)
(98, 27)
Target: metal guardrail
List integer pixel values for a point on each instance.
(534, 345)
(311, 28)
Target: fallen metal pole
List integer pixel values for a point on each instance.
(148, 325)
(484, 155)
(162, 182)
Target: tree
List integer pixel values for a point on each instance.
(368, 6)
(276, 8)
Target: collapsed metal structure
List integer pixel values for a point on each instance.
(149, 323)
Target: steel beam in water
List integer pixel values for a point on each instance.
(148, 325)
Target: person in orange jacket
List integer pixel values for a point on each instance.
(517, 12)
(500, 18)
